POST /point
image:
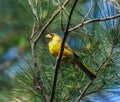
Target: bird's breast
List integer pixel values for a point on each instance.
(54, 49)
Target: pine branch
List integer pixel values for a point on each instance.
(82, 94)
(93, 20)
(57, 65)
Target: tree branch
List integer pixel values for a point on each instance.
(93, 20)
(57, 65)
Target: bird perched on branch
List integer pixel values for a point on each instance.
(69, 55)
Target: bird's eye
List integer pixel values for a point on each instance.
(52, 34)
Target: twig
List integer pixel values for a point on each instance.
(56, 12)
(91, 5)
(61, 21)
(37, 76)
(92, 58)
(33, 8)
(91, 81)
(84, 90)
(97, 89)
(107, 58)
(93, 20)
(56, 67)
(33, 31)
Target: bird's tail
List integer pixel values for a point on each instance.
(84, 68)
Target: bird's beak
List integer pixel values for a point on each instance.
(48, 36)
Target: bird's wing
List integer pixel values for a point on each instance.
(67, 47)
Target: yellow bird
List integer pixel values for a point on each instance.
(68, 54)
